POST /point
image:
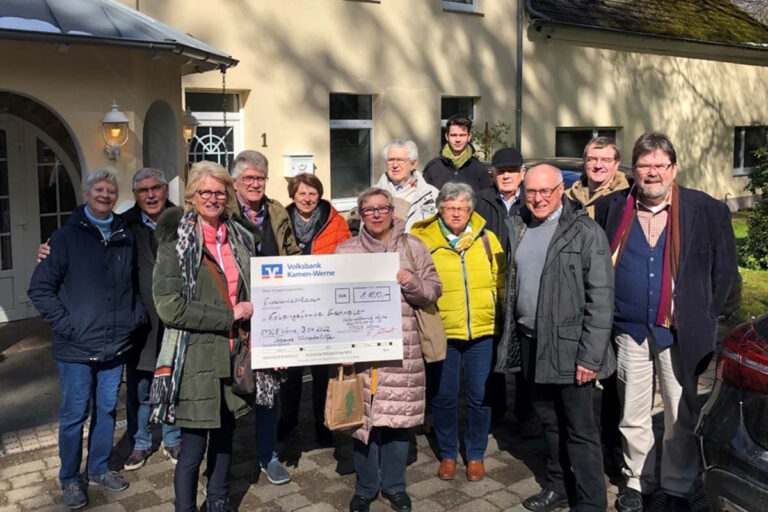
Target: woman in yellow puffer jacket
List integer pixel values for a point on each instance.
(471, 264)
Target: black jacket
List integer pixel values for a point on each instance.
(85, 290)
(707, 268)
(494, 211)
(441, 170)
(575, 305)
(147, 339)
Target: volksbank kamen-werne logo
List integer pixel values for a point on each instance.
(272, 271)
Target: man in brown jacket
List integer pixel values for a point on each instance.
(601, 163)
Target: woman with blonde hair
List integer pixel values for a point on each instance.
(202, 294)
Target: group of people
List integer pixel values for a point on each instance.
(604, 285)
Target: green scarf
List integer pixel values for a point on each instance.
(462, 242)
(460, 160)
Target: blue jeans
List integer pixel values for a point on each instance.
(380, 464)
(475, 357)
(266, 431)
(137, 412)
(83, 384)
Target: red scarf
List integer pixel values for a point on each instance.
(666, 315)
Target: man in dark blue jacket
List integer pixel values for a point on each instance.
(674, 257)
(86, 292)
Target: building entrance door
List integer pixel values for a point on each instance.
(37, 194)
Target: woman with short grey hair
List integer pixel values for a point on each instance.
(85, 292)
(471, 264)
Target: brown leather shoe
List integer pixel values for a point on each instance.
(447, 469)
(475, 470)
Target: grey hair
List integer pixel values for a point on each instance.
(249, 159)
(146, 173)
(97, 176)
(413, 151)
(373, 191)
(454, 190)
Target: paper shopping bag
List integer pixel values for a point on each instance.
(344, 401)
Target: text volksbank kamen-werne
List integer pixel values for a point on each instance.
(308, 270)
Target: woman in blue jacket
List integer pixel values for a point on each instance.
(85, 292)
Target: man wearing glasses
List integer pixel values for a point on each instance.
(674, 258)
(250, 170)
(560, 296)
(600, 178)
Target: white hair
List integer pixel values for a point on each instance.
(97, 176)
(413, 151)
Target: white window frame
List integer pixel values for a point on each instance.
(344, 204)
(444, 121)
(234, 120)
(741, 170)
(460, 6)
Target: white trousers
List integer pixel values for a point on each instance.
(637, 365)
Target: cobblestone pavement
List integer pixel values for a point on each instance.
(323, 479)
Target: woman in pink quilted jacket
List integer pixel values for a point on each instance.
(394, 390)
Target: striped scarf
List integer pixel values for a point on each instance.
(666, 314)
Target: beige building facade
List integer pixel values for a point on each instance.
(413, 62)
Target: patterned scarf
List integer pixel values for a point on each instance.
(666, 315)
(306, 230)
(462, 242)
(170, 361)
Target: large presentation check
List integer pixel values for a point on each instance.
(325, 309)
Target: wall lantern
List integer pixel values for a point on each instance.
(189, 126)
(115, 129)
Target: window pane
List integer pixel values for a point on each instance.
(5, 215)
(459, 105)
(755, 137)
(214, 143)
(48, 225)
(46, 186)
(350, 162)
(737, 138)
(3, 145)
(351, 106)
(67, 201)
(211, 102)
(570, 143)
(6, 262)
(604, 133)
(3, 177)
(45, 155)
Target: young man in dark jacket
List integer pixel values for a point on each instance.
(560, 294)
(457, 161)
(674, 257)
(86, 293)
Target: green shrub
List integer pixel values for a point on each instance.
(754, 253)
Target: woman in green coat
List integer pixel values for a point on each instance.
(201, 292)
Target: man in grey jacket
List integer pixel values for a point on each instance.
(560, 295)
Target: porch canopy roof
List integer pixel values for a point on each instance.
(104, 22)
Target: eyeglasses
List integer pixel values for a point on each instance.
(546, 193)
(401, 161)
(145, 190)
(455, 209)
(592, 160)
(206, 194)
(247, 180)
(655, 167)
(370, 210)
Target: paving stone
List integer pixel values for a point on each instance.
(503, 499)
(429, 487)
(18, 495)
(492, 463)
(426, 504)
(4, 485)
(525, 488)
(10, 508)
(112, 507)
(268, 492)
(166, 493)
(20, 469)
(477, 506)
(293, 502)
(450, 498)
(26, 479)
(319, 507)
(36, 502)
(481, 488)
